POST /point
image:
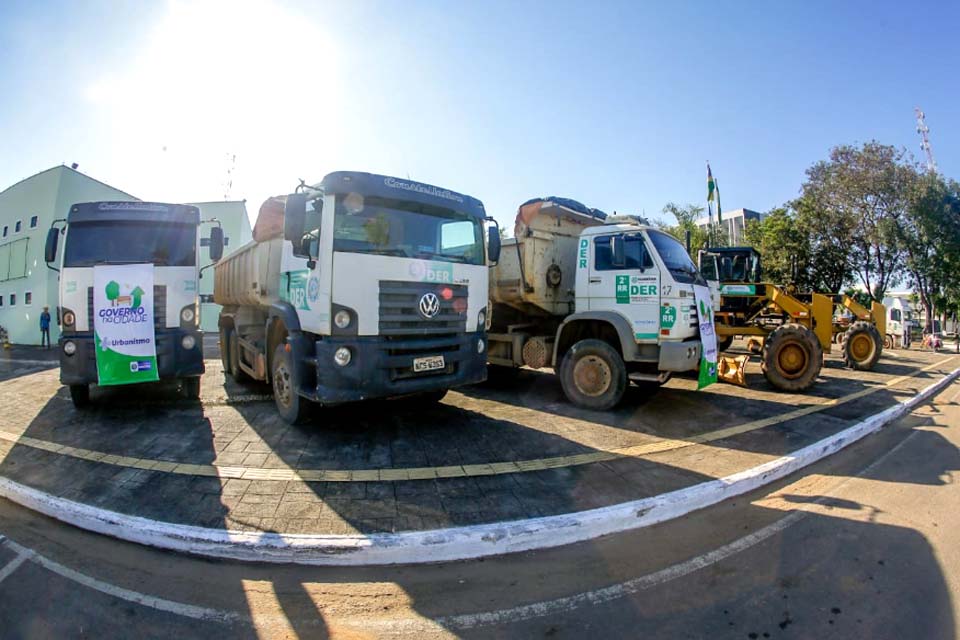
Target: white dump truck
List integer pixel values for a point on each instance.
(603, 300)
(362, 286)
(128, 305)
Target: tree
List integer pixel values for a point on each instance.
(112, 290)
(686, 220)
(929, 235)
(851, 203)
(827, 261)
(784, 247)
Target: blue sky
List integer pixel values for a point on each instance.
(615, 104)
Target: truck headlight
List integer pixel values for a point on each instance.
(69, 347)
(187, 314)
(342, 356)
(188, 342)
(68, 320)
(342, 319)
(481, 320)
(480, 346)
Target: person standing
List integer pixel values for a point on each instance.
(45, 327)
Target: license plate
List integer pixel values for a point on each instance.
(429, 363)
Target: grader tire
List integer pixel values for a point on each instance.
(862, 345)
(791, 358)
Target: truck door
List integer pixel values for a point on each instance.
(631, 289)
(710, 270)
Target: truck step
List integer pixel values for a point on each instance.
(650, 377)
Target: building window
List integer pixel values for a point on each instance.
(17, 225)
(13, 299)
(27, 298)
(6, 229)
(33, 222)
(1, 300)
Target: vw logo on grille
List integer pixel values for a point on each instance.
(429, 305)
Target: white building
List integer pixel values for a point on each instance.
(734, 223)
(27, 210)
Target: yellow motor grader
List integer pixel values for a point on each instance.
(789, 330)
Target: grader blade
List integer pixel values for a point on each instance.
(732, 369)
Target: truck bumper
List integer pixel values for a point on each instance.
(173, 361)
(680, 356)
(381, 368)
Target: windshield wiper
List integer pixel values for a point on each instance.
(383, 252)
(441, 256)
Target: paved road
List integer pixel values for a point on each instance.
(489, 453)
(861, 545)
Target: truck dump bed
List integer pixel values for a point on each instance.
(251, 274)
(536, 272)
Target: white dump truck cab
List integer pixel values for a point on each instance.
(628, 313)
(375, 287)
(129, 303)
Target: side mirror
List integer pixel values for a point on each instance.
(493, 244)
(216, 243)
(294, 215)
(619, 250)
(50, 250)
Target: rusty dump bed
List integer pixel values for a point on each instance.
(251, 274)
(537, 266)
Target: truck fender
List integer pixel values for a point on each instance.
(628, 346)
(286, 313)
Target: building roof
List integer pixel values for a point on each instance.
(64, 167)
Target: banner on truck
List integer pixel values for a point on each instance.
(708, 337)
(123, 324)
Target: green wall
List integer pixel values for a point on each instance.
(46, 195)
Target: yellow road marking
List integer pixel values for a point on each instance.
(452, 471)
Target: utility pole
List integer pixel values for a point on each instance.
(924, 132)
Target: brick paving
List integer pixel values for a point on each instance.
(400, 465)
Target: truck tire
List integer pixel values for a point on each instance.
(190, 387)
(792, 357)
(80, 394)
(862, 346)
(593, 375)
(238, 374)
(431, 397)
(291, 407)
(724, 343)
(225, 349)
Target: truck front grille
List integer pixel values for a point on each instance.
(159, 306)
(410, 335)
(400, 309)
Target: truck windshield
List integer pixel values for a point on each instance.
(675, 258)
(408, 229)
(163, 244)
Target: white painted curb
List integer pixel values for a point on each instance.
(460, 543)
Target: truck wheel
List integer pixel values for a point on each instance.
(724, 343)
(888, 341)
(593, 375)
(862, 346)
(190, 388)
(290, 405)
(225, 349)
(238, 374)
(432, 397)
(80, 394)
(792, 357)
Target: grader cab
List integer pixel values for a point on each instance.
(790, 330)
